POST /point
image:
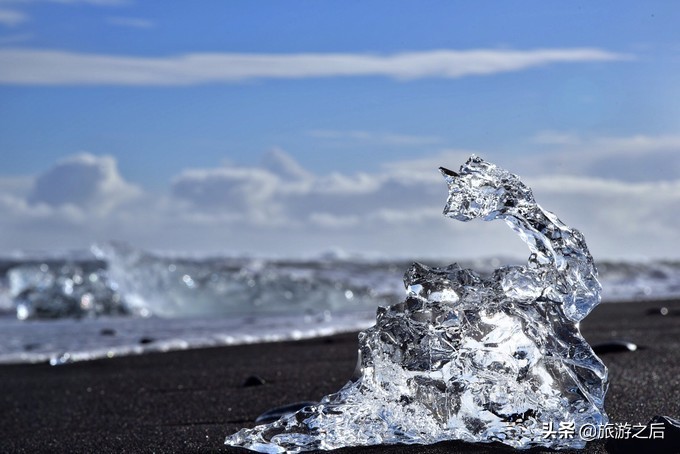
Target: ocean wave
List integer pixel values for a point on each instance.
(117, 300)
(117, 280)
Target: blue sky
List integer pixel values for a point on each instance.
(350, 91)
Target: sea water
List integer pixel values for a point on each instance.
(116, 300)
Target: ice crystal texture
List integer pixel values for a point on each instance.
(467, 357)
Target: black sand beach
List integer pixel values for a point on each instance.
(190, 400)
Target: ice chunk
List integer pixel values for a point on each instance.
(66, 290)
(467, 357)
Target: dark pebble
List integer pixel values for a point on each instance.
(658, 311)
(614, 346)
(254, 380)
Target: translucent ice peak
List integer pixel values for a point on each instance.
(467, 357)
(482, 190)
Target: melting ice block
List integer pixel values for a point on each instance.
(69, 290)
(467, 357)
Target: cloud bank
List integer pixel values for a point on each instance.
(279, 208)
(53, 67)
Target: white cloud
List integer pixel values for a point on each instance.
(271, 211)
(281, 164)
(635, 158)
(52, 67)
(12, 18)
(337, 183)
(247, 191)
(84, 181)
(270, 196)
(16, 186)
(328, 220)
(131, 22)
(619, 219)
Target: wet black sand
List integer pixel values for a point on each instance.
(190, 400)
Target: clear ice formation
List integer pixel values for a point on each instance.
(67, 290)
(467, 357)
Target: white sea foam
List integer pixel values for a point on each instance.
(68, 340)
